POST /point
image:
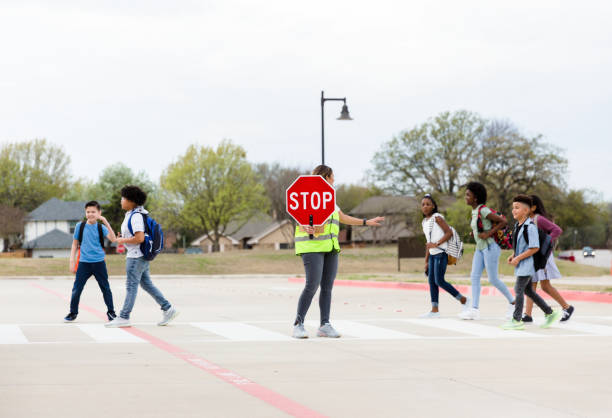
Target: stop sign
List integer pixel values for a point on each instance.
(311, 195)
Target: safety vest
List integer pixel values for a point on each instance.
(324, 243)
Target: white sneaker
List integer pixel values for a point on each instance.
(470, 314)
(168, 316)
(510, 311)
(118, 322)
(466, 306)
(430, 315)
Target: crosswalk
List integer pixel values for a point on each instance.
(278, 331)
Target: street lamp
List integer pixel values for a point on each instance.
(344, 115)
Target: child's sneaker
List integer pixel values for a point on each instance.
(470, 314)
(527, 318)
(299, 331)
(70, 317)
(510, 312)
(430, 315)
(551, 319)
(111, 315)
(168, 316)
(514, 325)
(567, 313)
(118, 322)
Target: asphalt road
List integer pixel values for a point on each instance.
(229, 354)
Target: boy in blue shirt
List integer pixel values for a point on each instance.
(524, 269)
(89, 238)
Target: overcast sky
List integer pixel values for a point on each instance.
(138, 81)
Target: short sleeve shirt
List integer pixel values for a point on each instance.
(481, 244)
(91, 250)
(526, 267)
(133, 250)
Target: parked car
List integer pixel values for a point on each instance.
(588, 252)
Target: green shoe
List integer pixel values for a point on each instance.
(514, 325)
(551, 318)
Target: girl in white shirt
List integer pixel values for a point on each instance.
(437, 232)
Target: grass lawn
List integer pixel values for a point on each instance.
(355, 263)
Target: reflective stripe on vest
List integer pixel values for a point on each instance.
(323, 243)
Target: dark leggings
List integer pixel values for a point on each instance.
(321, 269)
(436, 271)
(523, 287)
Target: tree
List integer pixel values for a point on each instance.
(508, 163)
(431, 157)
(12, 220)
(209, 188)
(276, 179)
(32, 172)
(349, 196)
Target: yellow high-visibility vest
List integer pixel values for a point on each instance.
(324, 243)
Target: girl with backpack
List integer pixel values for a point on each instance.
(485, 225)
(437, 233)
(542, 220)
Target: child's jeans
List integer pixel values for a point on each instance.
(84, 272)
(138, 273)
(489, 259)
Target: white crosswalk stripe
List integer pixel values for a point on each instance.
(12, 334)
(585, 327)
(366, 331)
(239, 331)
(101, 334)
(253, 331)
(470, 328)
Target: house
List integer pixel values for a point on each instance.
(402, 219)
(261, 231)
(50, 227)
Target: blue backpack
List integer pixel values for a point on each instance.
(153, 243)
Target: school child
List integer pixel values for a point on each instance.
(137, 268)
(543, 221)
(437, 233)
(89, 240)
(522, 260)
(485, 225)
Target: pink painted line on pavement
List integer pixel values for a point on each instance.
(574, 295)
(258, 391)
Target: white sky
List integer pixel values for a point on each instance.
(138, 81)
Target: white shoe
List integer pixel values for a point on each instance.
(168, 316)
(470, 314)
(430, 315)
(510, 311)
(466, 306)
(118, 322)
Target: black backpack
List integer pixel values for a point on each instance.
(541, 257)
(100, 233)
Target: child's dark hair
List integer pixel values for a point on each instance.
(92, 203)
(322, 170)
(537, 202)
(479, 191)
(433, 202)
(134, 194)
(523, 198)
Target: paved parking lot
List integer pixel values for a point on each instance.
(229, 354)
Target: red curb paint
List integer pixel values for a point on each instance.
(260, 392)
(574, 295)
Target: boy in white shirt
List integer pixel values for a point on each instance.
(137, 268)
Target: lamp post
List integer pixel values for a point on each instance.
(344, 115)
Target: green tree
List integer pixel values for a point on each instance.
(276, 179)
(509, 163)
(210, 188)
(32, 172)
(433, 157)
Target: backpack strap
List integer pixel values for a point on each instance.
(129, 225)
(81, 229)
(101, 234)
(144, 221)
(480, 227)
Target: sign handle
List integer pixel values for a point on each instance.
(310, 236)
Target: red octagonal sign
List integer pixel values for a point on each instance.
(311, 195)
